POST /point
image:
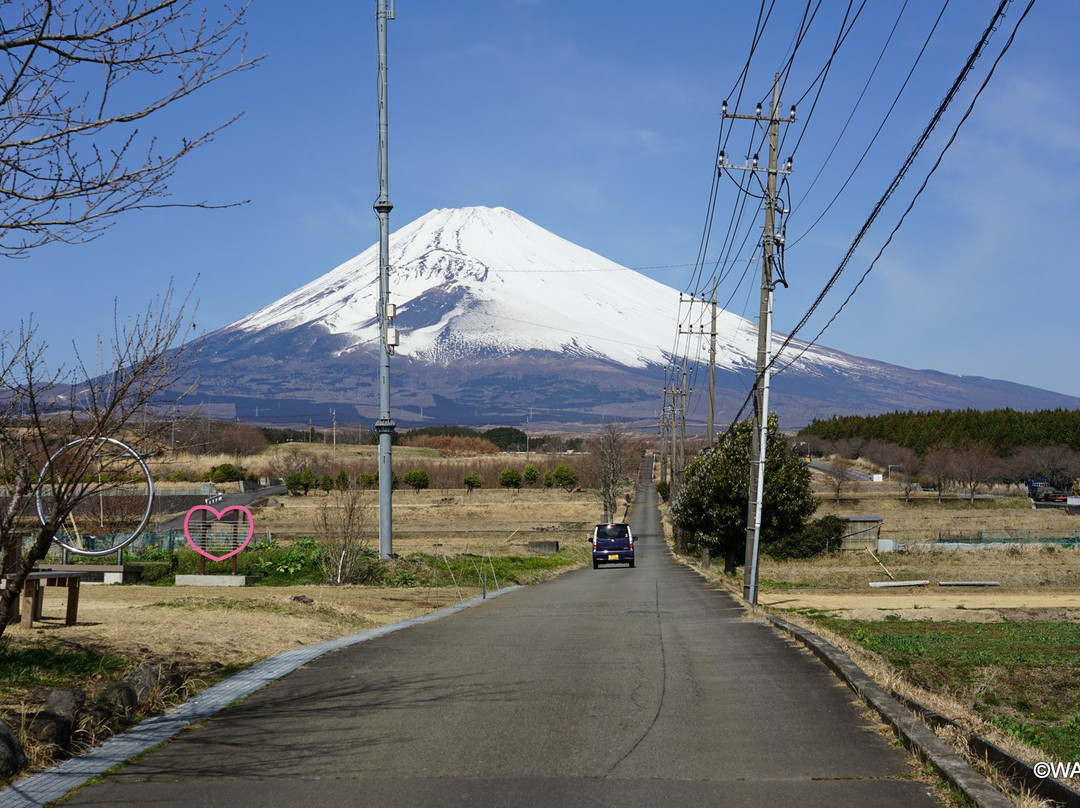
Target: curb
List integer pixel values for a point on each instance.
(917, 737)
(39, 789)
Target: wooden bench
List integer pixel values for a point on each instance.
(29, 605)
(97, 573)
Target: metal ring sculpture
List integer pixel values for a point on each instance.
(129, 538)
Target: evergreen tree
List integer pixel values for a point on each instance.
(712, 503)
(565, 477)
(417, 479)
(510, 478)
(530, 474)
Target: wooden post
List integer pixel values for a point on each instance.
(29, 599)
(72, 611)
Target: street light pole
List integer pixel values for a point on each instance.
(384, 427)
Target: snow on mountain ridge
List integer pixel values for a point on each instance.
(469, 281)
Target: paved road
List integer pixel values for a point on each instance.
(245, 498)
(604, 687)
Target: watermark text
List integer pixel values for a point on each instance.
(1059, 769)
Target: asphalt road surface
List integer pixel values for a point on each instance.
(617, 686)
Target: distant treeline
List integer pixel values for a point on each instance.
(1002, 431)
(507, 439)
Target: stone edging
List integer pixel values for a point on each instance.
(916, 736)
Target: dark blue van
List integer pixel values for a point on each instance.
(612, 543)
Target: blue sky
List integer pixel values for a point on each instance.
(600, 121)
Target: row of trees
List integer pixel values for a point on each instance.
(198, 435)
(457, 440)
(1003, 432)
(307, 480)
(971, 468)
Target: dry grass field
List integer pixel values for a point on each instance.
(202, 629)
(208, 629)
(449, 522)
(924, 519)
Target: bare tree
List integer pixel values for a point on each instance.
(79, 78)
(938, 465)
(344, 522)
(906, 472)
(611, 465)
(1059, 465)
(42, 412)
(839, 475)
(976, 466)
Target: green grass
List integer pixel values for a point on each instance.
(1061, 739)
(766, 583)
(475, 570)
(1020, 676)
(43, 667)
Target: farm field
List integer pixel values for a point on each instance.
(453, 521)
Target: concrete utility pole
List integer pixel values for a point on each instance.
(712, 359)
(764, 351)
(663, 441)
(711, 436)
(384, 427)
(678, 432)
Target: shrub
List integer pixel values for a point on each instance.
(820, 536)
(530, 474)
(341, 482)
(226, 473)
(417, 480)
(510, 478)
(564, 477)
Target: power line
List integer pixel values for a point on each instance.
(922, 186)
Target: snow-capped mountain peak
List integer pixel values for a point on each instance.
(500, 320)
(477, 281)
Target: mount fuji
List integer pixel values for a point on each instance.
(503, 322)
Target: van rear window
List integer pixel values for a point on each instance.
(612, 532)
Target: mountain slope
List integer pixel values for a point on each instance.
(502, 321)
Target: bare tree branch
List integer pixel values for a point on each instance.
(76, 80)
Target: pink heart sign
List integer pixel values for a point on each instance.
(208, 530)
